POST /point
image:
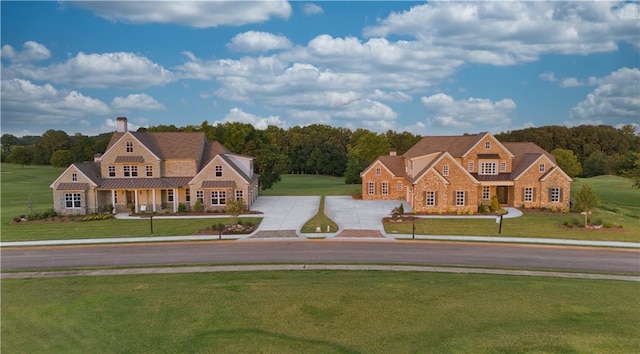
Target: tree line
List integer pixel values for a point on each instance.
(322, 149)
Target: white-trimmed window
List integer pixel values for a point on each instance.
(460, 198)
(554, 195)
(239, 194)
(72, 201)
(399, 186)
(488, 168)
(218, 171)
(503, 166)
(170, 195)
(445, 170)
(471, 166)
(129, 145)
(112, 170)
(528, 194)
(385, 188)
(187, 195)
(149, 170)
(487, 145)
(218, 197)
(130, 171)
(486, 192)
(74, 177)
(378, 171)
(371, 188)
(541, 167)
(430, 198)
(200, 196)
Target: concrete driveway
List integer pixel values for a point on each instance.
(351, 214)
(285, 213)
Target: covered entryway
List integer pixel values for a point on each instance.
(503, 194)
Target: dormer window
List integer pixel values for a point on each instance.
(541, 167)
(487, 145)
(129, 145)
(218, 171)
(74, 177)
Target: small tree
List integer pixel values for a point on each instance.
(495, 204)
(401, 209)
(198, 206)
(586, 200)
(219, 227)
(21, 155)
(234, 209)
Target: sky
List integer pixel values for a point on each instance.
(429, 68)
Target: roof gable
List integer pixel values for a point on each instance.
(89, 170)
(222, 159)
(556, 169)
(120, 138)
(393, 164)
(483, 138)
(454, 145)
(433, 162)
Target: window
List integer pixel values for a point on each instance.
(460, 198)
(430, 198)
(187, 195)
(239, 195)
(541, 167)
(445, 170)
(385, 188)
(115, 198)
(129, 146)
(130, 171)
(487, 168)
(200, 196)
(486, 192)
(471, 166)
(218, 197)
(74, 177)
(487, 145)
(149, 170)
(528, 194)
(399, 186)
(554, 195)
(170, 195)
(371, 188)
(218, 171)
(378, 171)
(72, 200)
(112, 171)
(503, 166)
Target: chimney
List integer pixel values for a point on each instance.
(393, 152)
(97, 157)
(121, 124)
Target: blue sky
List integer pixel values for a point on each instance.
(436, 68)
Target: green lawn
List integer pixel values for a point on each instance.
(320, 219)
(20, 185)
(319, 312)
(312, 185)
(615, 193)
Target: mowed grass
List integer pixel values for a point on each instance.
(19, 185)
(292, 185)
(320, 220)
(319, 312)
(620, 205)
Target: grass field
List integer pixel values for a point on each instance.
(319, 312)
(321, 220)
(312, 185)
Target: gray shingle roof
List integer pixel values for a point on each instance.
(454, 145)
(73, 186)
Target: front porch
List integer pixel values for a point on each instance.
(145, 200)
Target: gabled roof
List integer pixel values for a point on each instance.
(554, 170)
(91, 170)
(526, 154)
(454, 145)
(169, 145)
(395, 164)
(211, 149)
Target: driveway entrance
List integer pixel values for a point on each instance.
(285, 213)
(351, 214)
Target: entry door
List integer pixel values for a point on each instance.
(503, 195)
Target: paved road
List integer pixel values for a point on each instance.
(389, 251)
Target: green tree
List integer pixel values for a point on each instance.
(567, 161)
(586, 200)
(355, 165)
(21, 155)
(8, 141)
(371, 145)
(234, 209)
(62, 158)
(598, 163)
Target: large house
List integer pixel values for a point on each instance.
(152, 172)
(457, 173)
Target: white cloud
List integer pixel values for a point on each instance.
(548, 76)
(311, 9)
(474, 114)
(506, 33)
(117, 69)
(24, 102)
(139, 102)
(616, 99)
(238, 115)
(199, 14)
(253, 41)
(571, 82)
(31, 51)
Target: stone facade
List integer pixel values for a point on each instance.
(455, 174)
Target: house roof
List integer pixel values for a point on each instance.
(168, 145)
(395, 164)
(138, 159)
(525, 154)
(145, 183)
(211, 149)
(218, 184)
(90, 169)
(72, 186)
(454, 145)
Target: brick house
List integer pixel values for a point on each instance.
(457, 173)
(150, 172)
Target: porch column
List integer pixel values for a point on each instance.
(113, 200)
(153, 198)
(135, 197)
(175, 200)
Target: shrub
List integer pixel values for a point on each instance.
(495, 204)
(182, 208)
(599, 221)
(482, 208)
(357, 195)
(248, 224)
(608, 225)
(567, 223)
(198, 206)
